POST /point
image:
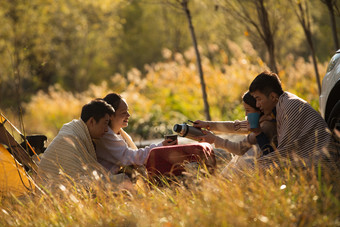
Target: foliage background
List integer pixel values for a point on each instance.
(58, 55)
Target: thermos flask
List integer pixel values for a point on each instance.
(188, 131)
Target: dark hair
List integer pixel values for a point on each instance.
(97, 109)
(250, 100)
(113, 99)
(266, 82)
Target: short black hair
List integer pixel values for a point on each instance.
(113, 99)
(266, 83)
(250, 100)
(97, 109)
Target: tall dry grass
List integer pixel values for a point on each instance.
(291, 198)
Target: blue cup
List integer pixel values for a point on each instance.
(253, 119)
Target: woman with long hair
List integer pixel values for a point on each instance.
(116, 149)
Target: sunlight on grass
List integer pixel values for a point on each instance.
(291, 198)
(170, 93)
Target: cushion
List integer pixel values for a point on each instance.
(169, 160)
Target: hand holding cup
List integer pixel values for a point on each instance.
(253, 119)
(170, 139)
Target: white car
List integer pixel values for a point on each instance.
(330, 93)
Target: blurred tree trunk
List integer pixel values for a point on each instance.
(332, 7)
(18, 44)
(262, 24)
(184, 4)
(302, 12)
(267, 34)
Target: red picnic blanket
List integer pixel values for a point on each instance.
(169, 160)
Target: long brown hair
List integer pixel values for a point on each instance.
(113, 99)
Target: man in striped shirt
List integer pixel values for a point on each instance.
(303, 137)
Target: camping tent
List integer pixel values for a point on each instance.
(13, 177)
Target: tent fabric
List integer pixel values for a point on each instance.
(20, 154)
(13, 178)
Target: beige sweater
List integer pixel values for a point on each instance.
(240, 147)
(229, 126)
(70, 154)
(115, 151)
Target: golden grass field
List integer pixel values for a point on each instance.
(170, 91)
(290, 198)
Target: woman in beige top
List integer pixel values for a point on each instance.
(116, 149)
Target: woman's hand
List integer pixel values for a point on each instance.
(208, 137)
(256, 131)
(169, 142)
(201, 124)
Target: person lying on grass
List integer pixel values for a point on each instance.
(71, 155)
(116, 149)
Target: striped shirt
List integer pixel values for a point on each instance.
(303, 137)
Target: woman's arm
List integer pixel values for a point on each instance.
(238, 148)
(112, 151)
(223, 126)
